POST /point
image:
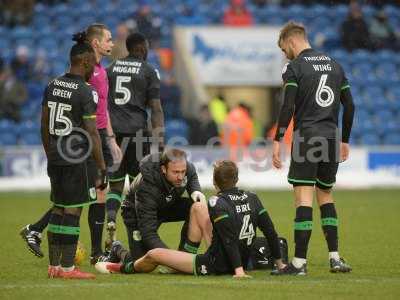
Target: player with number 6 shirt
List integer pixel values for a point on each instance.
(314, 88)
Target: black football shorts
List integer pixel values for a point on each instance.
(73, 185)
(314, 162)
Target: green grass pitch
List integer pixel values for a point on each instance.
(369, 240)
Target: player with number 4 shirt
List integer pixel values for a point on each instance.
(235, 215)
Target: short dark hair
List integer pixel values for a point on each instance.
(133, 40)
(80, 47)
(291, 28)
(172, 154)
(96, 30)
(226, 174)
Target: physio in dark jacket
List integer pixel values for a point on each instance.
(156, 197)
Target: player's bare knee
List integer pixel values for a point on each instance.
(324, 196)
(76, 211)
(57, 210)
(199, 208)
(153, 253)
(101, 196)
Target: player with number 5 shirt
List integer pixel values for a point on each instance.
(134, 87)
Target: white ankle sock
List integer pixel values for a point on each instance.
(68, 269)
(298, 262)
(334, 255)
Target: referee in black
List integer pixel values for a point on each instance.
(314, 87)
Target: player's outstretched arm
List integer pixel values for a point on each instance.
(348, 115)
(177, 260)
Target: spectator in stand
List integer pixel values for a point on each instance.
(41, 67)
(203, 128)
(16, 12)
(355, 34)
(119, 49)
(238, 129)
(13, 94)
(149, 25)
(21, 65)
(219, 110)
(237, 14)
(170, 97)
(382, 33)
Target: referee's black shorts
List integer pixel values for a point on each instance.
(314, 161)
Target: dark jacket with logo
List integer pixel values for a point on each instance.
(152, 194)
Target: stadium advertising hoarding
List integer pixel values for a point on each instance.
(235, 56)
(376, 167)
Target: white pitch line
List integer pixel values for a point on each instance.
(200, 282)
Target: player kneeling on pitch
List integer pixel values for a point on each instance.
(235, 216)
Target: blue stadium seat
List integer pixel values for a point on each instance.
(368, 11)
(296, 10)
(28, 127)
(370, 139)
(342, 57)
(319, 10)
(362, 114)
(4, 42)
(35, 90)
(176, 130)
(384, 115)
(362, 69)
(7, 126)
(383, 56)
(19, 33)
(332, 39)
(61, 9)
(372, 91)
(392, 139)
(360, 55)
(386, 70)
(393, 126)
(28, 114)
(392, 11)
(8, 139)
(59, 68)
(376, 104)
(63, 21)
(30, 139)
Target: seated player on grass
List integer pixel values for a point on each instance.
(235, 216)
